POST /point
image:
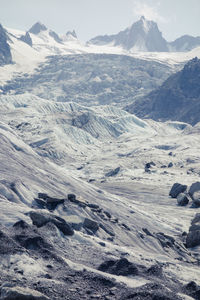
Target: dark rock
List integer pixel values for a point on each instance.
(193, 237)
(71, 197)
(121, 267)
(195, 187)
(91, 205)
(40, 219)
(5, 53)
(40, 202)
(196, 219)
(170, 165)
(21, 225)
(107, 214)
(176, 189)
(147, 232)
(108, 229)
(155, 270)
(113, 172)
(27, 39)
(182, 199)
(149, 165)
(192, 289)
(170, 154)
(91, 225)
(102, 244)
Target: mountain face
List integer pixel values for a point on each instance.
(37, 28)
(177, 99)
(143, 35)
(5, 53)
(185, 43)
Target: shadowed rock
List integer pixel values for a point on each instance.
(91, 225)
(182, 199)
(41, 218)
(176, 189)
(119, 267)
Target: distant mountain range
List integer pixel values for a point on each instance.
(144, 35)
(178, 98)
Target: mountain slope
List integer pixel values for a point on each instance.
(177, 99)
(5, 53)
(185, 43)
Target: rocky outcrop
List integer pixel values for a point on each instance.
(121, 267)
(27, 39)
(42, 218)
(5, 52)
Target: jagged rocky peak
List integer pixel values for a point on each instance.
(71, 34)
(143, 35)
(5, 53)
(55, 36)
(37, 28)
(27, 39)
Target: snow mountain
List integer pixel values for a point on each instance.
(143, 35)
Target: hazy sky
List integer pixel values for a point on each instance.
(94, 17)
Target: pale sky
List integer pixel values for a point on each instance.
(90, 18)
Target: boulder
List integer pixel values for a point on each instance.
(176, 189)
(41, 218)
(195, 187)
(91, 225)
(182, 199)
(120, 267)
(196, 199)
(193, 237)
(16, 293)
(170, 165)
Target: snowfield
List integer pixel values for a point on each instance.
(85, 211)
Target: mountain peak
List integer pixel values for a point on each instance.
(143, 35)
(37, 28)
(72, 34)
